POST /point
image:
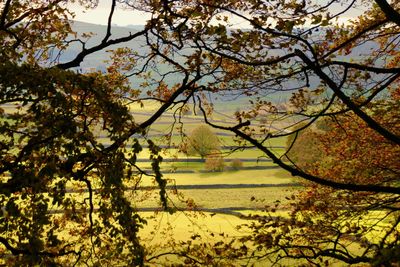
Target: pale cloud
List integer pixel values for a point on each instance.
(124, 17)
(100, 14)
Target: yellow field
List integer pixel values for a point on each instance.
(270, 176)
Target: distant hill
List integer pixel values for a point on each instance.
(97, 59)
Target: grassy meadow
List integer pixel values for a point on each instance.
(207, 203)
(212, 203)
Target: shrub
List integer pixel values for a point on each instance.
(236, 164)
(214, 162)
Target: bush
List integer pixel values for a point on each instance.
(214, 162)
(236, 164)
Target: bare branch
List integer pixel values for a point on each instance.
(371, 122)
(85, 52)
(390, 13)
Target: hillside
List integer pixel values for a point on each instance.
(97, 32)
(97, 61)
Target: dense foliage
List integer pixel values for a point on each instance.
(351, 226)
(63, 196)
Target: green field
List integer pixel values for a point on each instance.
(213, 203)
(275, 176)
(218, 210)
(238, 197)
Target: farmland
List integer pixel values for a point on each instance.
(215, 202)
(208, 205)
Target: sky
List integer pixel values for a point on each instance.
(99, 15)
(122, 17)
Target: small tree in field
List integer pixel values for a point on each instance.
(214, 162)
(202, 141)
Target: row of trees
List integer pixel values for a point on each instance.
(341, 83)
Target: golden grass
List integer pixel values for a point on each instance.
(272, 176)
(185, 224)
(228, 198)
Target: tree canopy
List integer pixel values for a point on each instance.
(54, 118)
(202, 141)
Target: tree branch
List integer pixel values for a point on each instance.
(342, 96)
(4, 14)
(364, 67)
(108, 33)
(16, 251)
(390, 13)
(300, 173)
(85, 52)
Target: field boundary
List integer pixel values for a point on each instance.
(200, 186)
